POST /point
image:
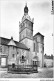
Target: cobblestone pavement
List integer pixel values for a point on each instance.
(42, 73)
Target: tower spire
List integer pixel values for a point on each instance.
(25, 9)
(26, 4)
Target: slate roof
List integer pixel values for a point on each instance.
(5, 41)
(38, 34)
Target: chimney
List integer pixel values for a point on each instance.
(11, 37)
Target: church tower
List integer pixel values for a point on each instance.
(26, 30)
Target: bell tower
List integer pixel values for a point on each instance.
(26, 29)
(25, 9)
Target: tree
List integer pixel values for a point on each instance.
(51, 56)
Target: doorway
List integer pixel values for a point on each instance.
(13, 65)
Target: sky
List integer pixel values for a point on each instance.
(12, 12)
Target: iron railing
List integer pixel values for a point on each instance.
(22, 68)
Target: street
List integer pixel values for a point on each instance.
(42, 73)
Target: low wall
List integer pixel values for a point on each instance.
(22, 69)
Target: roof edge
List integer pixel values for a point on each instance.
(38, 33)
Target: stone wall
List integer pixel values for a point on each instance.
(17, 55)
(48, 62)
(29, 44)
(39, 39)
(14, 55)
(3, 55)
(29, 33)
(24, 24)
(4, 49)
(22, 34)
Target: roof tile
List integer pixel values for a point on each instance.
(5, 41)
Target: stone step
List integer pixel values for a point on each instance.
(3, 69)
(22, 72)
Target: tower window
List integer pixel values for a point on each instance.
(37, 47)
(13, 47)
(13, 55)
(17, 52)
(23, 36)
(25, 24)
(34, 47)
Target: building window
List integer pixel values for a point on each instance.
(34, 62)
(37, 48)
(34, 47)
(0, 48)
(17, 52)
(13, 55)
(22, 57)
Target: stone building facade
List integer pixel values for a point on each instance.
(39, 43)
(27, 49)
(12, 52)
